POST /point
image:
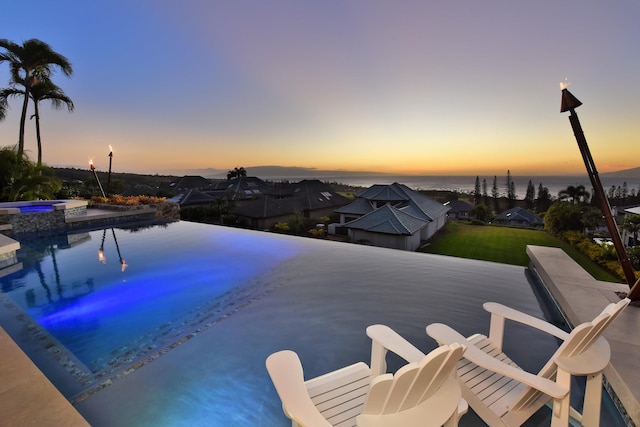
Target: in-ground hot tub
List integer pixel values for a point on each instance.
(38, 215)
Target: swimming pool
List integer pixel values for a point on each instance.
(180, 336)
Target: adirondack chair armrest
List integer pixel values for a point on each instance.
(383, 338)
(590, 362)
(285, 370)
(502, 311)
(444, 334)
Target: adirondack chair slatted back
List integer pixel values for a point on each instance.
(579, 341)
(413, 383)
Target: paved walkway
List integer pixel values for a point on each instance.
(581, 298)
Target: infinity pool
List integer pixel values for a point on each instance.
(170, 326)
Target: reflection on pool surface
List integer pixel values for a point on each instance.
(241, 295)
(106, 309)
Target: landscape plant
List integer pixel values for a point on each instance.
(129, 200)
(21, 179)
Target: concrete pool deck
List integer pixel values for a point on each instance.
(581, 298)
(578, 295)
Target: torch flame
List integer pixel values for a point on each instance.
(91, 163)
(101, 256)
(564, 84)
(110, 149)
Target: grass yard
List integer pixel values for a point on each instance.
(506, 245)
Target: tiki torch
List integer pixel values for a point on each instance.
(109, 175)
(95, 174)
(570, 103)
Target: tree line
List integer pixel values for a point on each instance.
(539, 200)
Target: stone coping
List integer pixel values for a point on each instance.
(7, 244)
(9, 208)
(27, 397)
(581, 298)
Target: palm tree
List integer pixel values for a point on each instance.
(46, 90)
(3, 106)
(42, 91)
(236, 173)
(30, 63)
(632, 226)
(575, 194)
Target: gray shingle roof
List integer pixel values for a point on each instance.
(458, 206)
(306, 195)
(383, 193)
(520, 215)
(357, 207)
(388, 220)
(410, 201)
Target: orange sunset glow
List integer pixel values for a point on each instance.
(400, 87)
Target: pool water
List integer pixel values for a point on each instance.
(36, 208)
(116, 296)
(238, 296)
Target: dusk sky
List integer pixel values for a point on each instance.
(407, 87)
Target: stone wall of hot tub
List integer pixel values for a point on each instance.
(55, 219)
(37, 221)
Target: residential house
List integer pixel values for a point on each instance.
(629, 239)
(458, 210)
(392, 216)
(308, 198)
(519, 217)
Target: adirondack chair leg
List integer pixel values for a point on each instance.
(378, 359)
(453, 421)
(561, 408)
(592, 401)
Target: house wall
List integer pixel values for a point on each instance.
(267, 223)
(433, 227)
(407, 243)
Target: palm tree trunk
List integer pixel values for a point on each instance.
(37, 115)
(23, 119)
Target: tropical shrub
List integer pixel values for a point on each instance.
(129, 200)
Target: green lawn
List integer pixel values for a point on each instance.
(506, 245)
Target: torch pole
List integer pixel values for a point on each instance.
(109, 175)
(95, 174)
(601, 198)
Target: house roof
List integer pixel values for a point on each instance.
(519, 214)
(418, 204)
(316, 194)
(384, 193)
(403, 209)
(634, 210)
(192, 197)
(188, 182)
(243, 187)
(458, 206)
(305, 195)
(389, 220)
(357, 207)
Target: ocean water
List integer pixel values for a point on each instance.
(466, 184)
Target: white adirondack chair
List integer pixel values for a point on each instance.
(419, 394)
(503, 394)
